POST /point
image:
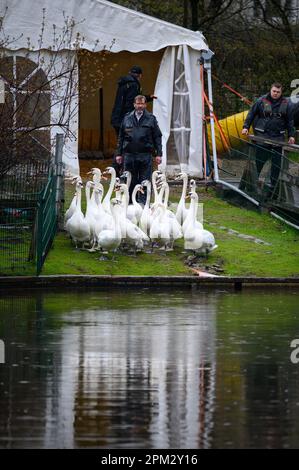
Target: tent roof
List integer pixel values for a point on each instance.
(107, 22)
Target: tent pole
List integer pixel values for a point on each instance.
(101, 129)
(204, 148)
(207, 56)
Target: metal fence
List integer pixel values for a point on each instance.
(265, 174)
(46, 220)
(30, 206)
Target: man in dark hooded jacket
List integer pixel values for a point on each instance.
(128, 88)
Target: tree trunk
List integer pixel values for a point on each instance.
(185, 17)
(194, 15)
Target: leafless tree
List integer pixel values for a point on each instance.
(41, 91)
(280, 17)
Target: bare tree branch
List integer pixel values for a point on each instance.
(41, 91)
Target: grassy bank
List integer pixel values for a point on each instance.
(249, 244)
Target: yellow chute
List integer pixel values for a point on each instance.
(231, 127)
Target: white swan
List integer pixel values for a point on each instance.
(193, 234)
(131, 233)
(97, 218)
(106, 202)
(69, 212)
(110, 240)
(160, 227)
(156, 174)
(197, 239)
(145, 219)
(77, 225)
(175, 230)
(134, 210)
(182, 211)
(189, 217)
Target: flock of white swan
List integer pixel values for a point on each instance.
(109, 223)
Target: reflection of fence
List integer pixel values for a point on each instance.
(29, 211)
(266, 173)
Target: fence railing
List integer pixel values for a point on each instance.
(46, 221)
(31, 200)
(267, 173)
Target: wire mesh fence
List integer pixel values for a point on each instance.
(266, 172)
(27, 206)
(46, 220)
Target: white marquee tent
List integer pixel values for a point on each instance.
(178, 86)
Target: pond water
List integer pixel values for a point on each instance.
(149, 369)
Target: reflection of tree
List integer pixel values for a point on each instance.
(23, 377)
(257, 387)
(41, 87)
(139, 370)
(270, 381)
(138, 375)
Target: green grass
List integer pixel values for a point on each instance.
(65, 259)
(293, 156)
(236, 256)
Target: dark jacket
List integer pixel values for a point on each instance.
(271, 118)
(143, 136)
(128, 88)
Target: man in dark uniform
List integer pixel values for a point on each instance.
(128, 87)
(271, 116)
(139, 137)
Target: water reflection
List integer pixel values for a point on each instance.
(150, 370)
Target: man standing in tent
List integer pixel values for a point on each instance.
(139, 137)
(271, 116)
(128, 87)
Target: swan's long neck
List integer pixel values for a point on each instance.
(184, 190)
(111, 186)
(88, 198)
(134, 194)
(129, 179)
(95, 194)
(193, 206)
(126, 197)
(166, 195)
(78, 205)
(117, 217)
(154, 176)
(148, 195)
(161, 194)
(193, 187)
